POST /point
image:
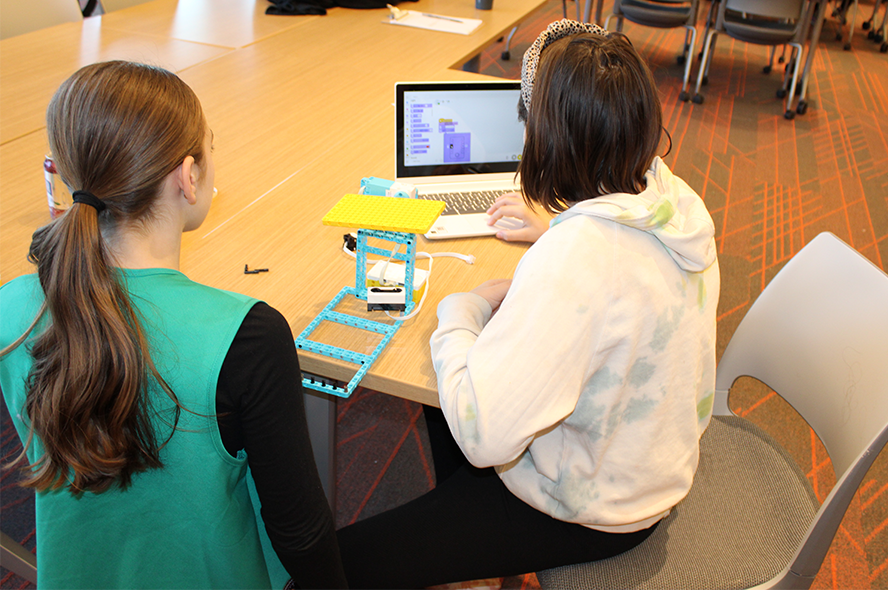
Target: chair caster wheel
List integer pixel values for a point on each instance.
(683, 96)
(766, 70)
(879, 38)
(698, 99)
(865, 25)
(871, 35)
(781, 93)
(883, 48)
(680, 60)
(705, 80)
(838, 36)
(802, 107)
(789, 115)
(847, 47)
(505, 55)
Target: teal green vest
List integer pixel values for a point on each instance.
(188, 525)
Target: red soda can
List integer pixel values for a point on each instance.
(57, 194)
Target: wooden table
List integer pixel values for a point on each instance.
(301, 108)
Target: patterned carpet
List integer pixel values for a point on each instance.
(771, 186)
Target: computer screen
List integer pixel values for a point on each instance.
(458, 128)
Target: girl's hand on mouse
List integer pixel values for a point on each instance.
(494, 291)
(534, 222)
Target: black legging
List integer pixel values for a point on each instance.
(469, 527)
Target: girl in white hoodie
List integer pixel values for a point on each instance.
(576, 392)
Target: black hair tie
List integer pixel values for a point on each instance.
(87, 198)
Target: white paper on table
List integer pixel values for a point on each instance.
(435, 22)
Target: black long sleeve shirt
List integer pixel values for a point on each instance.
(260, 409)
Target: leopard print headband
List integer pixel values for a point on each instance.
(555, 31)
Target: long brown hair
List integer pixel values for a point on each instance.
(116, 130)
(594, 122)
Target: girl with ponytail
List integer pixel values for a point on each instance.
(139, 394)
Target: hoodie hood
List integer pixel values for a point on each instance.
(668, 209)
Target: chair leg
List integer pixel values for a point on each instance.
(689, 52)
(708, 46)
(782, 92)
(506, 54)
(883, 48)
(872, 19)
(851, 25)
(618, 16)
(767, 69)
(797, 59)
(685, 54)
(17, 559)
(599, 5)
(710, 21)
(879, 35)
(587, 11)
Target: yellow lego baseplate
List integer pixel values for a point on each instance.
(414, 216)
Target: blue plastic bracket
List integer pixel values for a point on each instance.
(408, 257)
(303, 342)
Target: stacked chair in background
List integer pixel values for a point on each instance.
(876, 34)
(662, 14)
(772, 23)
(762, 22)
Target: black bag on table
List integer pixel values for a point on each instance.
(298, 7)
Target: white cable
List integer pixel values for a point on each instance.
(467, 258)
(386, 265)
(424, 293)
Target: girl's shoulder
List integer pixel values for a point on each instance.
(19, 282)
(20, 291)
(20, 301)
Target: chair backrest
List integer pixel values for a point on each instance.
(18, 17)
(782, 9)
(821, 341)
(658, 13)
(818, 336)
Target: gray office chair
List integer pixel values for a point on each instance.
(818, 336)
(875, 34)
(762, 22)
(662, 14)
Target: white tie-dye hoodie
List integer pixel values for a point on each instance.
(589, 388)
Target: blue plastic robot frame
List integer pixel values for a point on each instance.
(369, 186)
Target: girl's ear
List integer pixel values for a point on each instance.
(186, 179)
